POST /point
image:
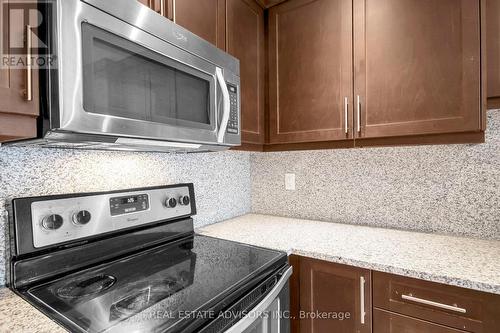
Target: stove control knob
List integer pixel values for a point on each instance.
(52, 222)
(184, 200)
(82, 217)
(170, 203)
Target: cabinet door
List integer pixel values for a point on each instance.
(146, 3)
(162, 7)
(417, 66)
(389, 322)
(450, 306)
(17, 114)
(339, 292)
(310, 70)
(245, 41)
(493, 48)
(205, 18)
(151, 4)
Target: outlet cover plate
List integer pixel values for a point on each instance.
(290, 181)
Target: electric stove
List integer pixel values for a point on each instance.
(129, 261)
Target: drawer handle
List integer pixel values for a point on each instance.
(435, 304)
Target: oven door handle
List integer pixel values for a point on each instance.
(226, 106)
(249, 319)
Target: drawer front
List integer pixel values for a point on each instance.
(389, 322)
(442, 304)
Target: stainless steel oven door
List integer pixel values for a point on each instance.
(116, 79)
(271, 315)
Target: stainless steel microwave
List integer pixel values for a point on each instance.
(127, 78)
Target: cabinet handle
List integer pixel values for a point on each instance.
(434, 304)
(29, 75)
(173, 11)
(362, 299)
(162, 7)
(346, 116)
(359, 115)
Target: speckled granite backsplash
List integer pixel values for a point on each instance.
(447, 189)
(221, 180)
(451, 189)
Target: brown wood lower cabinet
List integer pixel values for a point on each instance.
(333, 298)
(453, 307)
(329, 297)
(389, 322)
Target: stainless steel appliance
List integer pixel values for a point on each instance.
(129, 261)
(127, 78)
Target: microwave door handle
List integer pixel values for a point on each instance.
(225, 105)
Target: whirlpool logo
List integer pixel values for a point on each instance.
(23, 44)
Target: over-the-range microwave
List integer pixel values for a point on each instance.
(126, 78)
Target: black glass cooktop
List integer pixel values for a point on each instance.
(161, 289)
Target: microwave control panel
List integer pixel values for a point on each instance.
(232, 125)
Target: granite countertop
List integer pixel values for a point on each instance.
(458, 261)
(464, 262)
(18, 316)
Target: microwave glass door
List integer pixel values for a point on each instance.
(124, 79)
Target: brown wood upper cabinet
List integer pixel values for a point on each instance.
(159, 6)
(245, 41)
(417, 66)
(406, 67)
(237, 27)
(205, 18)
(269, 3)
(493, 52)
(310, 70)
(342, 293)
(18, 110)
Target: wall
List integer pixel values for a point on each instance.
(221, 180)
(447, 189)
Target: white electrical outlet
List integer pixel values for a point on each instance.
(290, 181)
